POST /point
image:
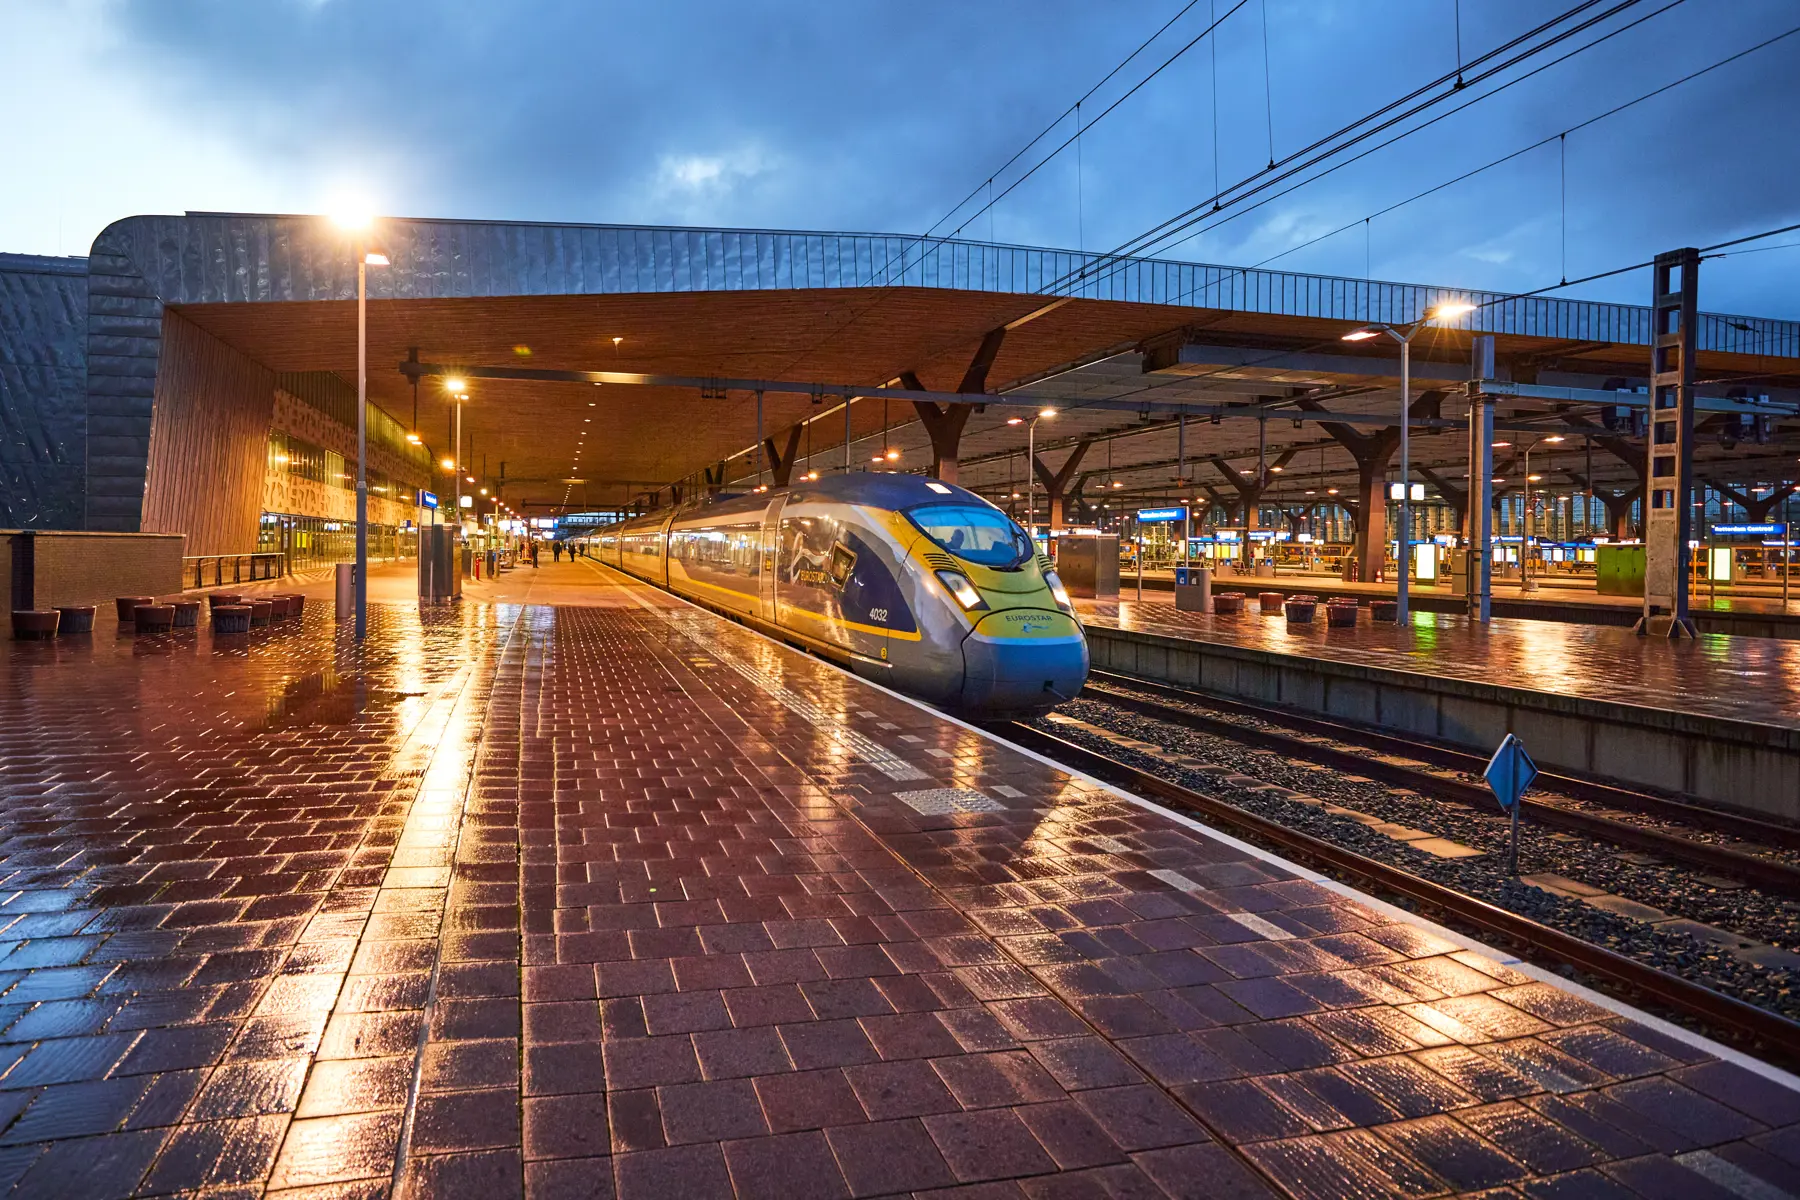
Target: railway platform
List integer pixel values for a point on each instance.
(1717, 718)
(1747, 612)
(601, 895)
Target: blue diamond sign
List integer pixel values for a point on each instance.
(1510, 772)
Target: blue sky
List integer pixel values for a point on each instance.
(871, 116)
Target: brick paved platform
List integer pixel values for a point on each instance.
(621, 900)
(1714, 675)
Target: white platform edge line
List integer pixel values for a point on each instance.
(1667, 1028)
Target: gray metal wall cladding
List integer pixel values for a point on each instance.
(221, 259)
(142, 263)
(43, 391)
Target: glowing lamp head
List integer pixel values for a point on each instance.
(1015, 420)
(375, 258)
(449, 464)
(1046, 412)
(455, 383)
(1361, 335)
(353, 220)
(1555, 437)
(893, 456)
(1449, 310)
(413, 439)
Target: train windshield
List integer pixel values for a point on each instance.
(984, 536)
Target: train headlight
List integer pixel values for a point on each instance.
(959, 586)
(1059, 593)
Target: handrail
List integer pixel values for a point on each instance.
(262, 564)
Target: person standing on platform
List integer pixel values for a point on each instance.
(534, 554)
(555, 551)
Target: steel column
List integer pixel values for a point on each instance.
(1668, 518)
(1479, 582)
(362, 443)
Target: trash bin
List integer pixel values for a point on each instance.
(1193, 589)
(439, 579)
(346, 591)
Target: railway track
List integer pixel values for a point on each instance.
(1403, 762)
(1756, 1029)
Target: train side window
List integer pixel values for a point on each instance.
(843, 562)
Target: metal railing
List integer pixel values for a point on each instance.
(216, 570)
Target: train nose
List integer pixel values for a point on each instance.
(1021, 675)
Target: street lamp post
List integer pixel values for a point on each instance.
(1437, 312)
(367, 255)
(1031, 466)
(1526, 582)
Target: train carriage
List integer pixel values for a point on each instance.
(911, 582)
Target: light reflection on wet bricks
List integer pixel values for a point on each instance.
(593, 915)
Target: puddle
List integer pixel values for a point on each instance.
(328, 698)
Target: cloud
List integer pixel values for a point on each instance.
(813, 114)
(705, 188)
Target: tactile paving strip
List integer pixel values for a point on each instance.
(937, 802)
(828, 720)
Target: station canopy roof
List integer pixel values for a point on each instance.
(1118, 347)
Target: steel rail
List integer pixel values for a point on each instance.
(1770, 874)
(1576, 786)
(1770, 1034)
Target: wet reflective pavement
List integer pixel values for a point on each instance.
(1738, 678)
(1761, 599)
(620, 899)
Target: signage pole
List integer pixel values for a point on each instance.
(1512, 847)
(1509, 773)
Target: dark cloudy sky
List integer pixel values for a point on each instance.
(879, 116)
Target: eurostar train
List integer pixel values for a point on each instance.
(907, 581)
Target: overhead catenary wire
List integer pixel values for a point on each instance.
(1705, 252)
(1759, 249)
(1250, 186)
(1105, 112)
(927, 236)
(1505, 158)
(1213, 48)
(1268, 87)
(883, 275)
(1522, 150)
(1502, 49)
(1563, 283)
(1276, 355)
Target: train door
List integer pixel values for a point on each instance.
(769, 561)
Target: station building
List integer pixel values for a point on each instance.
(580, 889)
(194, 375)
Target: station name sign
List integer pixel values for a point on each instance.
(1161, 514)
(427, 500)
(1768, 529)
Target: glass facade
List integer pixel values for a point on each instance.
(302, 460)
(313, 542)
